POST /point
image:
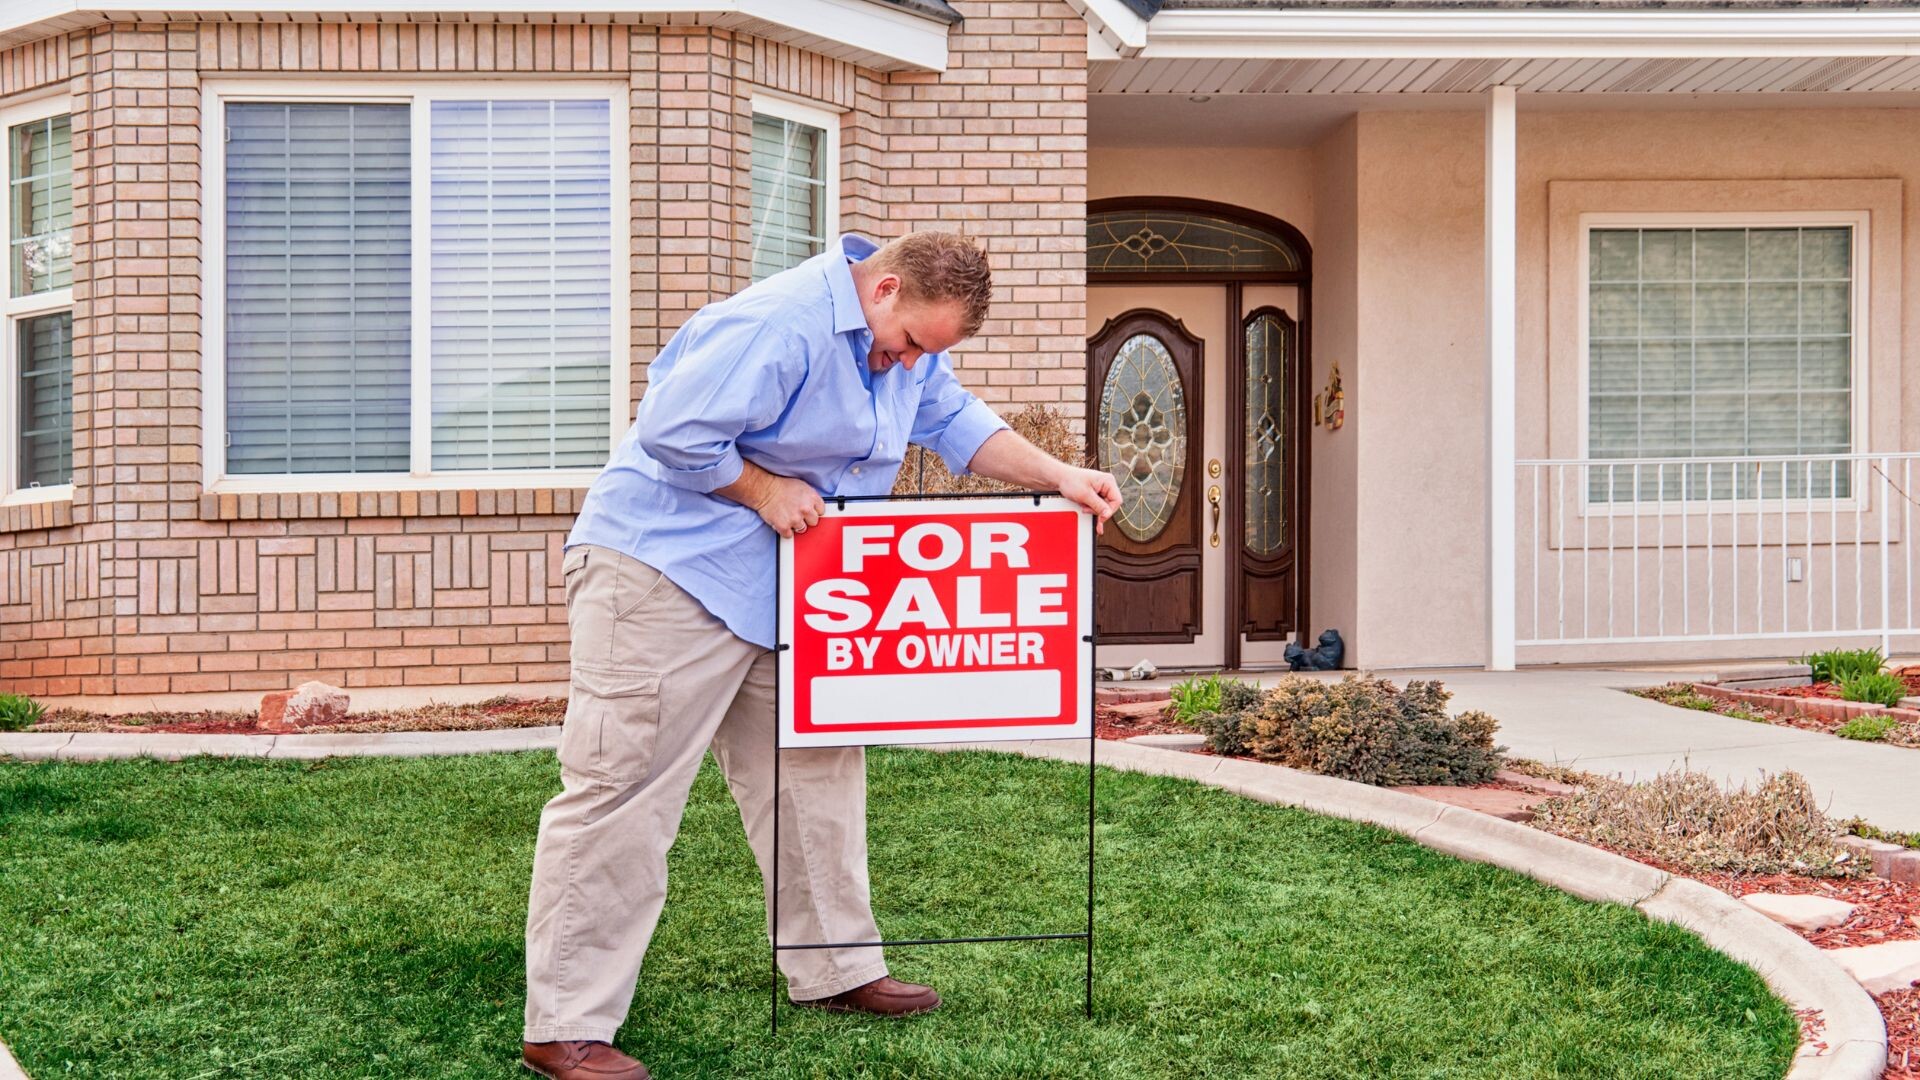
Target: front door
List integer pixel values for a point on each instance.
(1192, 405)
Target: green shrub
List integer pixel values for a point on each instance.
(1867, 728)
(1838, 665)
(1687, 819)
(1364, 728)
(1879, 688)
(18, 713)
(1199, 694)
(1223, 726)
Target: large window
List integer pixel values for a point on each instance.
(795, 183)
(1721, 342)
(425, 286)
(36, 460)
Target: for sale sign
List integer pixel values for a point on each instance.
(937, 621)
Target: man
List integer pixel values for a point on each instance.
(807, 385)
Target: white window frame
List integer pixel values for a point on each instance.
(15, 309)
(772, 103)
(419, 96)
(1859, 333)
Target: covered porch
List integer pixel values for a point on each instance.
(1616, 307)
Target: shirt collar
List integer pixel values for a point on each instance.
(846, 298)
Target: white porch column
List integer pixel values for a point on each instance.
(1502, 475)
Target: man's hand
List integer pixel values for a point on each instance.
(1094, 490)
(787, 505)
(1006, 455)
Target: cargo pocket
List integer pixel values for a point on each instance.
(613, 720)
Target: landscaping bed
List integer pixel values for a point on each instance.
(364, 917)
(492, 714)
(1814, 707)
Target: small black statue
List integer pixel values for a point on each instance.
(1326, 657)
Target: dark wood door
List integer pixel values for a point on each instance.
(1270, 501)
(1144, 386)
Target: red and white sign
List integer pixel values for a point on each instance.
(961, 620)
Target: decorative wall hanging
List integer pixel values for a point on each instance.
(1330, 405)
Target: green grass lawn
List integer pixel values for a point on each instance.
(364, 918)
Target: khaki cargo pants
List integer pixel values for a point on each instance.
(656, 681)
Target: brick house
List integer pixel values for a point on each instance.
(317, 327)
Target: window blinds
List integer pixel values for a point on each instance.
(46, 399)
(1721, 343)
(789, 194)
(521, 265)
(40, 234)
(317, 318)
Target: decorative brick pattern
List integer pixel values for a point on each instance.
(146, 583)
(466, 48)
(1819, 708)
(34, 65)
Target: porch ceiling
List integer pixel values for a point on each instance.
(1473, 75)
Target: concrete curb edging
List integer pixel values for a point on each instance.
(1855, 1034)
(119, 745)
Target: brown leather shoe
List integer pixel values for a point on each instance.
(580, 1060)
(885, 996)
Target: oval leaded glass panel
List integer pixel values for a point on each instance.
(1266, 471)
(1157, 241)
(1143, 435)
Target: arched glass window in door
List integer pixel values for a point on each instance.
(1143, 435)
(1190, 241)
(1269, 349)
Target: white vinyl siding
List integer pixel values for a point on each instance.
(46, 399)
(36, 303)
(40, 204)
(415, 287)
(522, 242)
(318, 336)
(1720, 342)
(789, 191)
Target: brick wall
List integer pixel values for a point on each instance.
(148, 584)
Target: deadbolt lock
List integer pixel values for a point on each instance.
(1213, 468)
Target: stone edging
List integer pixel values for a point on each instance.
(1855, 1033)
(1817, 708)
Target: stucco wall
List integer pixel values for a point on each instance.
(1420, 576)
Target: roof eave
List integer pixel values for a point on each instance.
(1387, 33)
(881, 36)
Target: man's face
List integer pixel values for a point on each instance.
(905, 330)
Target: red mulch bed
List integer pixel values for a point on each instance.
(1909, 675)
(1816, 690)
(485, 715)
(1902, 1010)
(1110, 723)
(1886, 911)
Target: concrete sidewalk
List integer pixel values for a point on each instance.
(1583, 718)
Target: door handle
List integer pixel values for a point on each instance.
(1213, 500)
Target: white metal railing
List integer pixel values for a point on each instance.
(1716, 549)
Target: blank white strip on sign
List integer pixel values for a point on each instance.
(966, 695)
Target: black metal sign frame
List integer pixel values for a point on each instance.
(1089, 638)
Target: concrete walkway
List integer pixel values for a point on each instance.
(1582, 718)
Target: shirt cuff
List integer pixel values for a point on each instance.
(969, 429)
(707, 478)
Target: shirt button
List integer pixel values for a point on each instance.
(856, 470)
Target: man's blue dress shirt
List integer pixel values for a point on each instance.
(776, 375)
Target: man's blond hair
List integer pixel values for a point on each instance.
(941, 267)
